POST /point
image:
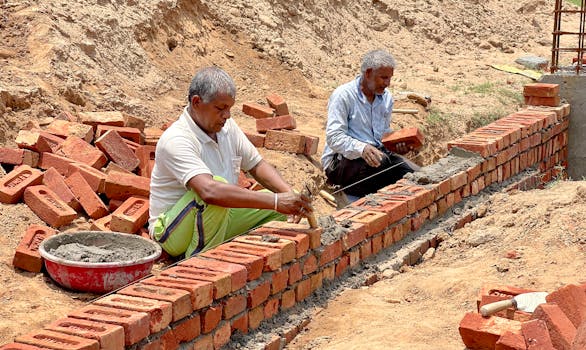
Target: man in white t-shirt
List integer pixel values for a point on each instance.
(195, 201)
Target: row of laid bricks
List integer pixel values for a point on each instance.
(560, 323)
(273, 281)
(234, 287)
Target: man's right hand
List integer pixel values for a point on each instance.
(372, 156)
(292, 203)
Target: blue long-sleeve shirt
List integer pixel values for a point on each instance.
(354, 122)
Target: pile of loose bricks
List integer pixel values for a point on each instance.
(202, 301)
(275, 127)
(558, 324)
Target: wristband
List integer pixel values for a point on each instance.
(276, 201)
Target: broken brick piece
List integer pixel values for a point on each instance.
(478, 332)
(38, 141)
(145, 155)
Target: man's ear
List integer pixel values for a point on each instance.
(195, 100)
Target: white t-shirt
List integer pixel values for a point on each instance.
(184, 151)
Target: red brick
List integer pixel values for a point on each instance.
(286, 247)
(240, 323)
(122, 186)
(536, 335)
(377, 244)
(58, 341)
(541, 90)
(510, 341)
(187, 329)
(222, 335)
(313, 233)
(146, 156)
(152, 136)
(204, 342)
(180, 299)
(274, 343)
(18, 156)
(89, 200)
(56, 183)
(257, 139)
(290, 334)
(220, 280)
(288, 299)
(160, 312)
(257, 111)
(277, 103)
(102, 224)
(77, 149)
(94, 177)
(27, 256)
(395, 209)
(13, 185)
(342, 265)
(20, 346)
(329, 252)
(255, 317)
(258, 293)
(316, 281)
(301, 240)
(411, 136)
(478, 332)
(277, 123)
(210, 318)
(375, 221)
(365, 250)
(113, 118)
(132, 134)
(302, 289)
(233, 305)
(271, 308)
(113, 145)
(572, 300)
(561, 329)
(254, 264)
(60, 163)
(135, 324)
(285, 141)
(131, 215)
(201, 292)
(309, 264)
(484, 148)
(311, 145)
(65, 128)
(279, 280)
(38, 141)
(47, 205)
(580, 339)
(295, 273)
(354, 233)
(237, 272)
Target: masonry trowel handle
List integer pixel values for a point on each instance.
(489, 309)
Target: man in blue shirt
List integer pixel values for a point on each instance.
(359, 115)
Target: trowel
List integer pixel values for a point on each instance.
(527, 302)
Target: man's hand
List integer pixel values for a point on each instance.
(372, 156)
(403, 147)
(292, 203)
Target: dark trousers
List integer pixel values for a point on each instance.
(344, 172)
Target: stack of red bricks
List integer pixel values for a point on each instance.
(233, 288)
(558, 324)
(96, 164)
(542, 94)
(276, 126)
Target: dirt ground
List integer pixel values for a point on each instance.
(138, 57)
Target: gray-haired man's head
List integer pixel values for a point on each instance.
(209, 82)
(376, 59)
